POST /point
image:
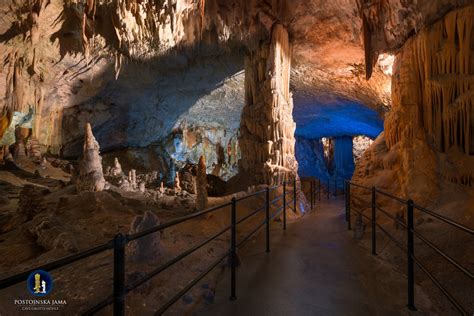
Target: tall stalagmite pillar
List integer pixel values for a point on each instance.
(201, 185)
(267, 128)
(91, 176)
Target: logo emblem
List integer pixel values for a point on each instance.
(40, 283)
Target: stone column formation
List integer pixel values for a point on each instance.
(91, 176)
(201, 186)
(267, 128)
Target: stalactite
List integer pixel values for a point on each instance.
(433, 94)
(441, 55)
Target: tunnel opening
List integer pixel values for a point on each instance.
(331, 137)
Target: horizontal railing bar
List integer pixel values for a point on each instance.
(276, 199)
(175, 222)
(444, 219)
(361, 201)
(361, 213)
(250, 235)
(445, 256)
(360, 186)
(175, 259)
(274, 187)
(251, 214)
(402, 201)
(438, 284)
(392, 217)
(190, 285)
(55, 264)
(277, 212)
(250, 195)
(258, 227)
(398, 243)
(99, 306)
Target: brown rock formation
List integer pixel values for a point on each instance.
(267, 140)
(201, 185)
(91, 177)
(429, 132)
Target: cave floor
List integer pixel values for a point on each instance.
(315, 268)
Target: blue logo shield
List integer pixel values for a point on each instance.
(39, 283)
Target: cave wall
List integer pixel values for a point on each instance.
(267, 140)
(427, 147)
(310, 156)
(343, 157)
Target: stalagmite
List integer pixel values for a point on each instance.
(267, 140)
(201, 186)
(177, 187)
(91, 177)
(116, 170)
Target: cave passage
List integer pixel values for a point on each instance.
(331, 135)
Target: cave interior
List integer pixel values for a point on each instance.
(118, 116)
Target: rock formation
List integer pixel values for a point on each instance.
(343, 157)
(201, 185)
(176, 187)
(116, 170)
(428, 136)
(267, 141)
(146, 248)
(91, 177)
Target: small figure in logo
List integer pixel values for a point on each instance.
(43, 286)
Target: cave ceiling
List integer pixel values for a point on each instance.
(64, 53)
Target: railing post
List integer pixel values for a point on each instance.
(233, 234)
(267, 218)
(329, 186)
(319, 190)
(348, 209)
(410, 253)
(284, 205)
(311, 193)
(294, 195)
(374, 221)
(119, 274)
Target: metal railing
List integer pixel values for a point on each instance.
(411, 232)
(118, 244)
(318, 188)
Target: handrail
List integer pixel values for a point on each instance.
(392, 217)
(445, 219)
(442, 288)
(120, 241)
(251, 214)
(445, 256)
(12, 280)
(169, 263)
(411, 232)
(175, 222)
(391, 196)
(190, 285)
(250, 195)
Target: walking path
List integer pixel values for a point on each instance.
(314, 268)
